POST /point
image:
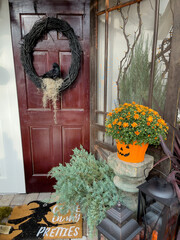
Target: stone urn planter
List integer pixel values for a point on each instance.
(128, 176)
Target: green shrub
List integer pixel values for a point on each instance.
(134, 83)
(89, 183)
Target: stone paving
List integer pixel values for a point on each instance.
(20, 199)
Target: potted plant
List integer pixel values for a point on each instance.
(87, 182)
(134, 127)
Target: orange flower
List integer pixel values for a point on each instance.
(139, 110)
(136, 116)
(161, 121)
(156, 113)
(137, 133)
(119, 123)
(134, 124)
(115, 121)
(125, 124)
(150, 119)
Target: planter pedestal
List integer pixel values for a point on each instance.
(129, 176)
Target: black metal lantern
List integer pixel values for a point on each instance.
(118, 224)
(158, 209)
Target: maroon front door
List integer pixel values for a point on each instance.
(46, 144)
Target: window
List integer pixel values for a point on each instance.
(130, 58)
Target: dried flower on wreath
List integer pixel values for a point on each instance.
(51, 93)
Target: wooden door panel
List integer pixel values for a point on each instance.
(41, 149)
(64, 62)
(76, 23)
(46, 144)
(72, 137)
(27, 22)
(71, 98)
(57, 146)
(34, 96)
(39, 57)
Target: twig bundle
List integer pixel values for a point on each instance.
(36, 34)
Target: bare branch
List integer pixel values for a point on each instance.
(165, 48)
(125, 20)
(126, 60)
(138, 32)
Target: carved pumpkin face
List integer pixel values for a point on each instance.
(124, 151)
(132, 152)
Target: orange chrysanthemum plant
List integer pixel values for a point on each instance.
(132, 125)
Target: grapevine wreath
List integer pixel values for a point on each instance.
(36, 34)
(51, 82)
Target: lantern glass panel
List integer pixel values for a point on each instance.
(158, 209)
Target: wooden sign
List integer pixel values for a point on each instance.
(38, 220)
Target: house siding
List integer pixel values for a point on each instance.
(11, 159)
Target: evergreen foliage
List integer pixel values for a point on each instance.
(134, 83)
(89, 183)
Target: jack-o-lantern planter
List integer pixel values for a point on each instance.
(136, 126)
(131, 152)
